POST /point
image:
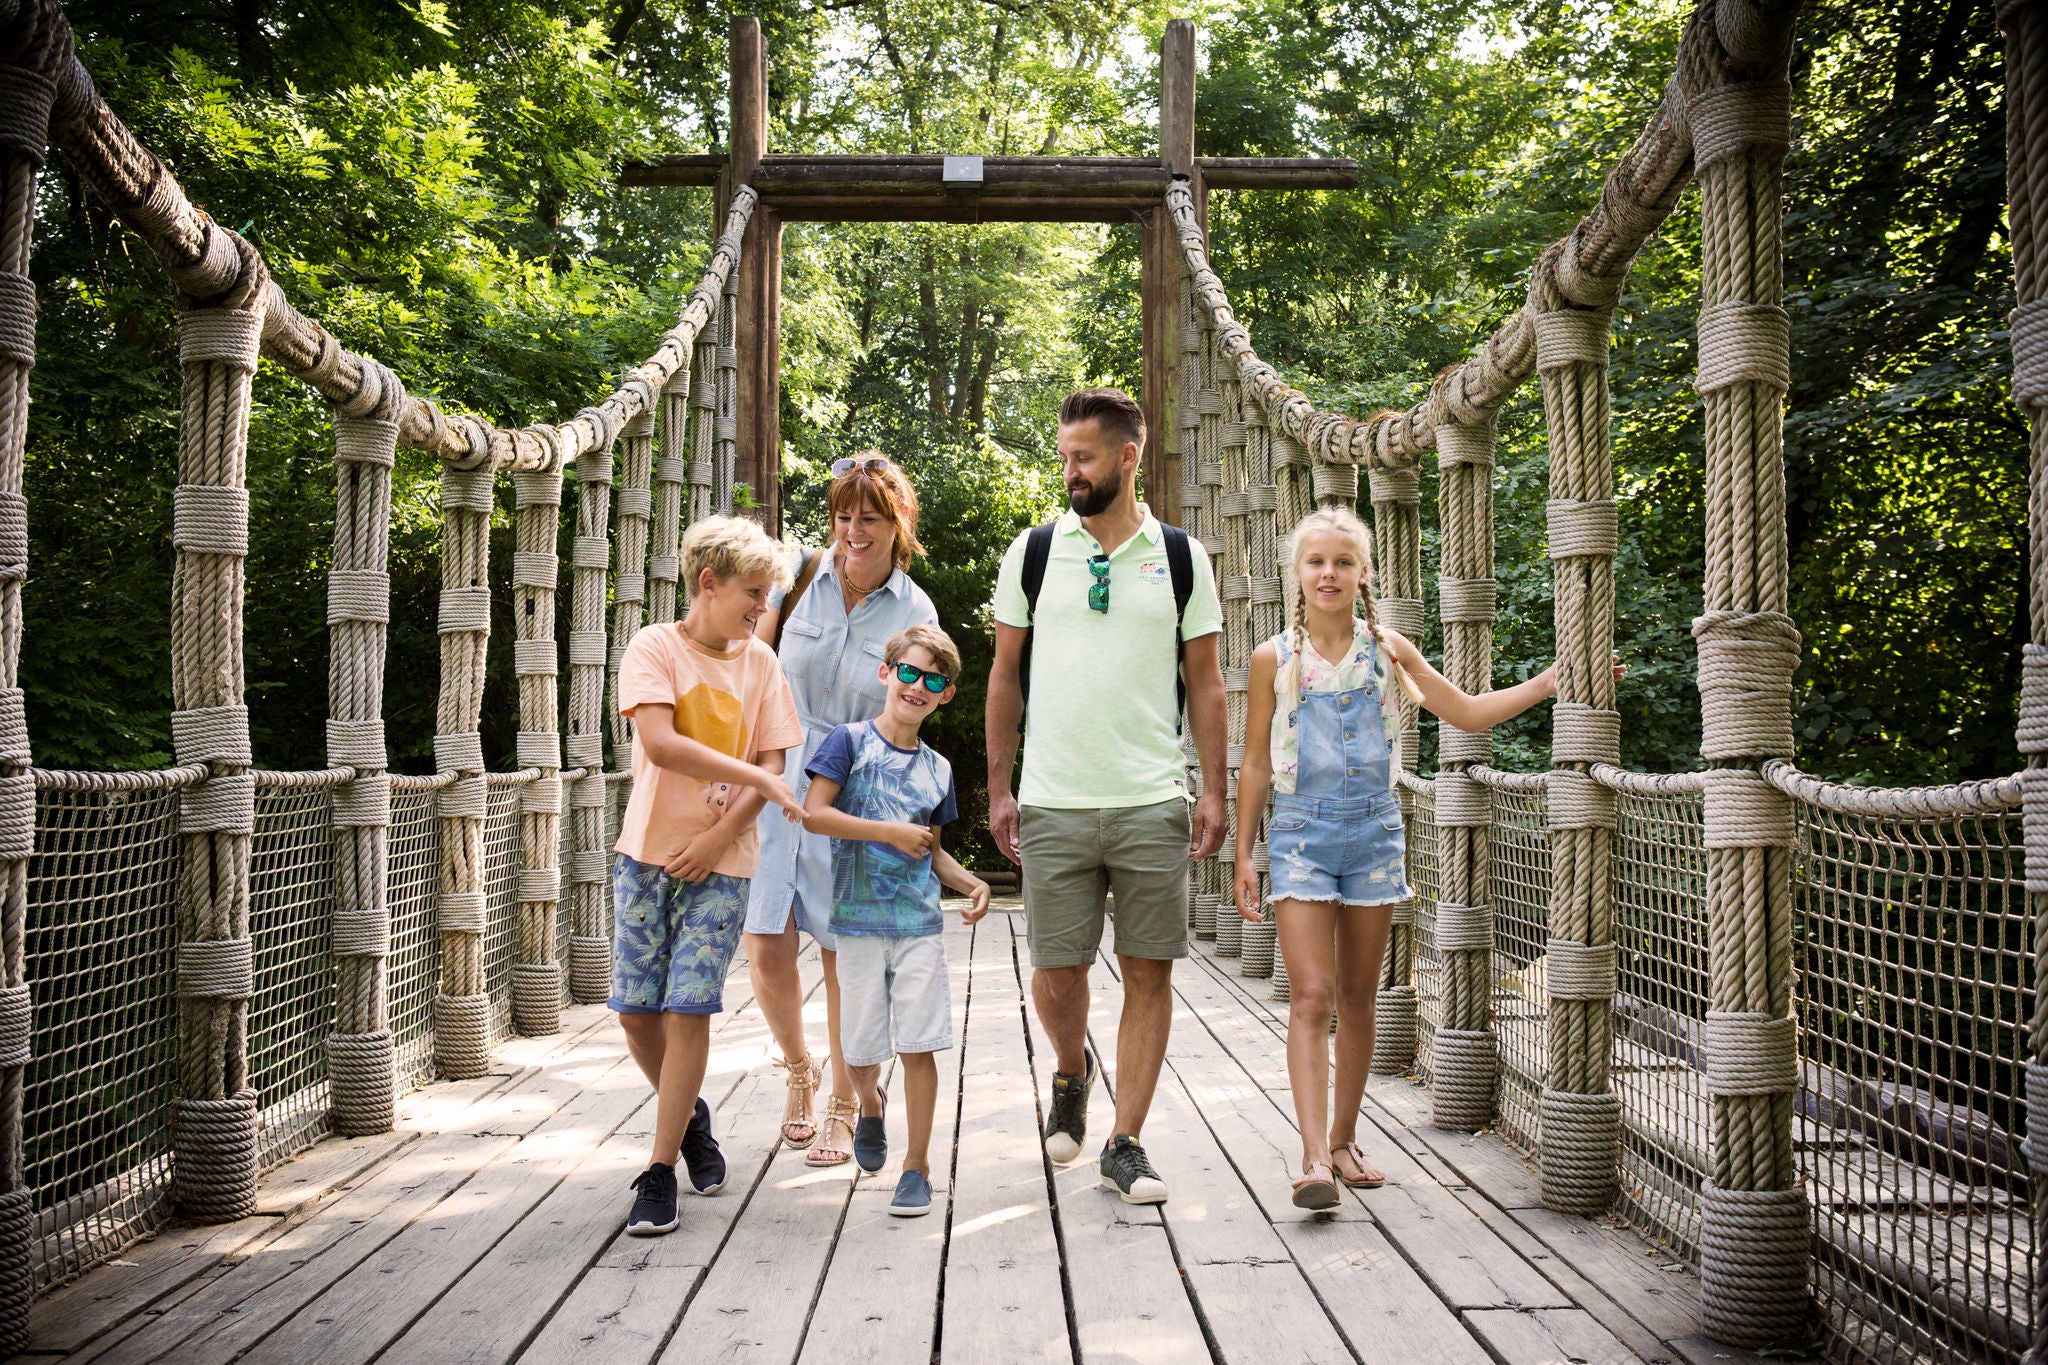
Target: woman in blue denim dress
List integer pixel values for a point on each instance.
(832, 644)
(1323, 732)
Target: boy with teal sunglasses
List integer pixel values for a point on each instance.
(882, 795)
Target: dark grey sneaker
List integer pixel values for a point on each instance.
(654, 1203)
(701, 1154)
(1067, 1124)
(1125, 1166)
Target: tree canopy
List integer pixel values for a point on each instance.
(436, 182)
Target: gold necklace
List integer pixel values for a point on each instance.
(855, 590)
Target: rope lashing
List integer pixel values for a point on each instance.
(356, 743)
(2035, 819)
(1752, 1244)
(1464, 928)
(213, 1171)
(1746, 663)
(358, 595)
(1580, 527)
(1463, 746)
(1584, 734)
(208, 519)
(14, 746)
(1575, 800)
(1739, 118)
(1461, 801)
(1462, 600)
(17, 1025)
(363, 931)
(217, 969)
(1748, 1053)
(1578, 971)
(1744, 343)
(1744, 811)
(1581, 1137)
(1464, 1075)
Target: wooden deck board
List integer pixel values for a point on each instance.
(487, 1226)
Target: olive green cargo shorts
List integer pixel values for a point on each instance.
(1074, 858)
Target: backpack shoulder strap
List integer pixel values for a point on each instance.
(796, 592)
(1180, 562)
(1037, 550)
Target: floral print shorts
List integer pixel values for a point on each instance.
(673, 940)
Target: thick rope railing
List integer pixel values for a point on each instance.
(1579, 1116)
(361, 1059)
(1754, 1220)
(2025, 24)
(214, 1116)
(536, 566)
(24, 118)
(1465, 1063)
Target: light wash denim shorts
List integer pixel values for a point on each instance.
(893, 997)
(1349, 849)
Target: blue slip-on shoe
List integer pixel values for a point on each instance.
(701, 1157)
(654, 1202)
(871, 1140)
(913, 1197)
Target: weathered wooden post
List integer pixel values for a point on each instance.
(758, 330)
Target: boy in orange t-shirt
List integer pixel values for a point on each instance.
(712, 717)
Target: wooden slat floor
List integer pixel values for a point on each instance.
(488, 1227)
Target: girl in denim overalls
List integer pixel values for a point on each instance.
(1323, 731)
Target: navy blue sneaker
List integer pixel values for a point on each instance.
(701, 1157)
(654, 1203)
(913, 1198)
(871, 1140)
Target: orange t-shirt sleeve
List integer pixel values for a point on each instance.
(646, 673)
(779, 726)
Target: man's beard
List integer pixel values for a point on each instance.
(1099, 496)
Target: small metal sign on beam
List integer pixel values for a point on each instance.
(962, 170)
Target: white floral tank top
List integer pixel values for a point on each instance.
(1356, 669)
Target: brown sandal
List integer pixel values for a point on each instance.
(1316, 1190)
(799, 1113)
(1351, 1149)
(834, 1146)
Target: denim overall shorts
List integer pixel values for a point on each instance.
(1337, 836)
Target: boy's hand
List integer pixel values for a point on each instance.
(1247, 892)
(697, 860)
(977, 902)
(778, 793)
(913, 841)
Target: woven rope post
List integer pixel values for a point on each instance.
(536, 563)
(23, 124)
(629, 554)
(214, 1118)
(2026, 125)
(462, 1010)
(725, 395)
(671, 497)
(361, 1064)
(1579, 1117)
(1466, 1058)
(1754, 1222)
(1397, 523)
(590, 945)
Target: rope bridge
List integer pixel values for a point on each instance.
(1786, 1026)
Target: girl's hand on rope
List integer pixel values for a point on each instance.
(1246, 892)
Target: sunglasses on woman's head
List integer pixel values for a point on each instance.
(846, 464)
(1098, 591)
(910, 675)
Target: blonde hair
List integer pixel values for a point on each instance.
(933, 641)
(886, 492)
(731, 547)
(1344, 522)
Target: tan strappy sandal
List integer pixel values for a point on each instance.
(1316, 1189)
(1364, 1182)
(834, 1146)
(799, 1112)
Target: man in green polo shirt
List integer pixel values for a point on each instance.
(1104, 804)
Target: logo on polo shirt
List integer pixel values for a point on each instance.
(1155, 573)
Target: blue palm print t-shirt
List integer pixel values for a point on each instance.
(878, 891)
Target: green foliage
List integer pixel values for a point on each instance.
(433, 181)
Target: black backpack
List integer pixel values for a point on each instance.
(1180, 562)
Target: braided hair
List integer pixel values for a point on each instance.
(1345, 523)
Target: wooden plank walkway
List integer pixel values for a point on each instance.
(488, 1228)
